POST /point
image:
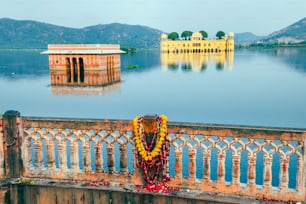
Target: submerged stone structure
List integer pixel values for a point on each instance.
(84, 64)
(197, 44)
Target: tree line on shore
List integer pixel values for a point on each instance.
(186, 35)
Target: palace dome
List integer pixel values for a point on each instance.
(230, 34)
(164, 36)
(196, 36)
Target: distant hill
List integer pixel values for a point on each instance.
(246, 38)
(294, 33)
(33, 34)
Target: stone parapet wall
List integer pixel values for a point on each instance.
(203, 157)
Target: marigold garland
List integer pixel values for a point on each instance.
(151, 154)
(147, 153)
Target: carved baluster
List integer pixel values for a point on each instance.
(251, 171)
(267, 173)
(62, 155)
(99, 158)
(74, 155)
(299, 178)
(221, 167)
(50, 154)
(123, 158)
(192, 164)
(284, 173)
(28, 154)
(206, 168)
(38, 153)
(138, 180)
(236, 168)
(178, 163)
(110, 158)
(86, 156)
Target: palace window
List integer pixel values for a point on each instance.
(196, 44)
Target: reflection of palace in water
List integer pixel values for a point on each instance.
(197, 61)
(82, 65)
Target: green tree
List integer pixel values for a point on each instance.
(220, 34)
(204, 34)
(186, 34)
(173, 36)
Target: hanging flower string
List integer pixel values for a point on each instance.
(152, 155)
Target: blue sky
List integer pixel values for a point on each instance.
(260, 17)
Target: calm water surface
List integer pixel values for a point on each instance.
(262, 88)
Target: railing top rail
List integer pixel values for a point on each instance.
(173, 128)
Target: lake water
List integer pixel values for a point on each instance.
(247, 87)
(250, 87)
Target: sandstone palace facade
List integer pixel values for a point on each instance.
(196, 44)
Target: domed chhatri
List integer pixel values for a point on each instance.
(197, 44)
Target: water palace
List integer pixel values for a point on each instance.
(196, 44)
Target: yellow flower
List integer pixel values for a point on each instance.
(162, 135)
(164, 118)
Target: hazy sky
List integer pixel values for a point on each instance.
(260, 17)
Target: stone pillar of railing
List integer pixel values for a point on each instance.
(138, 175)
(221, 167)
(99, 158)
(110, 158)
(62, 155)
(267, 174)
(300, 175)
(50, 155)
(86, 156)
(123, 159)
(28, 154)
(284, 164)
(236, 169)
(11, 144)
(39, 157)
(251, 172)
(192, 164)
(178, 164)
(74, 156)
(206, 167)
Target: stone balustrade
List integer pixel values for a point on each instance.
(250, 161)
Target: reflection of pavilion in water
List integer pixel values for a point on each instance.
(197, 61)
(85, 90)
(84, 69)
